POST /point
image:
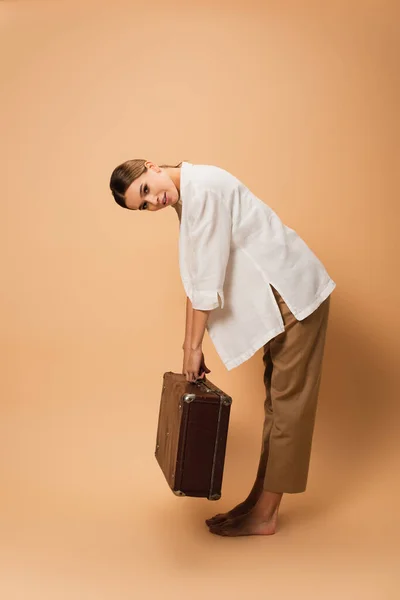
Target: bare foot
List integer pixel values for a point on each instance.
(250, 524)
(240, 509)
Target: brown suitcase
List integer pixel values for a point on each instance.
(191, 436)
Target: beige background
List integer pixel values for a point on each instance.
(300, 101)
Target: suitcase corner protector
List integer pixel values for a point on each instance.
(215, 497)
(188, 397)
(179, 493)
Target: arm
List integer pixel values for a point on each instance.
(188, 326)
(193, 361)
(210, 249)
(196, 321)
(199, 323)
(210, 237)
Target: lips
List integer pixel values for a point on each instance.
(165, 201)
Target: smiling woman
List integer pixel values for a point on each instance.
(143, 185)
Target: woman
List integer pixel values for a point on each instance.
(252, 282)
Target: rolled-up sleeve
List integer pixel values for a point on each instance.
(210, 241)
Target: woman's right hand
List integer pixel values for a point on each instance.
(186, 354)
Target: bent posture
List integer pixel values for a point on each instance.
(253, 283)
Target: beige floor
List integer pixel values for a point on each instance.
(85, 511)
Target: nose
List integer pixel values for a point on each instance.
(156, 201)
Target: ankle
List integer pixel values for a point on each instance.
(269, 501)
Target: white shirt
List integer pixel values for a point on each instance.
(231, 247)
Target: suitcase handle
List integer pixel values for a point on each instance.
(200, 383)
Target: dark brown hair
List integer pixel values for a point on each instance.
(125, 174)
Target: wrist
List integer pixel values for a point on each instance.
(196, 347)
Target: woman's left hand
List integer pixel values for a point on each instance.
(194, 364)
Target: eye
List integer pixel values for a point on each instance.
(145, 191)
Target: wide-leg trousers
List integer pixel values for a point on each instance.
(292, 376)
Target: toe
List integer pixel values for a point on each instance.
(217, 530)
(216, 519)
(220, 528)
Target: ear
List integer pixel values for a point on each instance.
(150, 165)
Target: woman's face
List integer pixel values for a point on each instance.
(153, 190)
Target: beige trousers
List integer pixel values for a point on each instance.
(292, 376)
